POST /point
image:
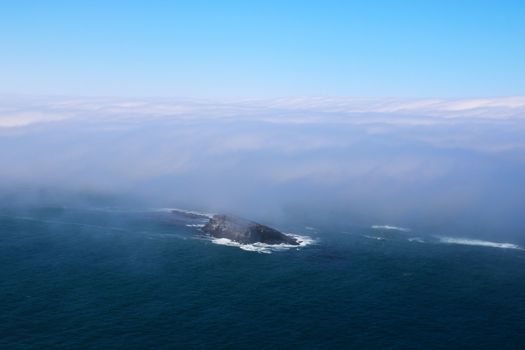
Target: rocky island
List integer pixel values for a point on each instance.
(245, 231)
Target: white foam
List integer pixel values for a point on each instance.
(266, 248)
(389, 227)
(192, 212)
(112, 210)
(195, 225)
(374, 237)
(416, 239)
(477, 242)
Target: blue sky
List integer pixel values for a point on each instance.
(263, 48)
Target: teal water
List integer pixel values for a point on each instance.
(89, 279)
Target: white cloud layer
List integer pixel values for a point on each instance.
(367, 158)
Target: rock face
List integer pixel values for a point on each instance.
(245, 231)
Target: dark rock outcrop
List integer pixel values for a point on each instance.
(245, 231)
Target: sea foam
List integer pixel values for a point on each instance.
(264, 248)
(191, 212)
(374, 237)
(389, 227)
(477, 242)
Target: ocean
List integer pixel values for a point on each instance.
(99, 278)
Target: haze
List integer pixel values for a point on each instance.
(441, 165)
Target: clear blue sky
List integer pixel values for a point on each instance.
(268, 48)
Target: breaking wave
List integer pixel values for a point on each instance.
(184, 211)
(477, 242)
(389, 227)
(264, 248)
(374, 237)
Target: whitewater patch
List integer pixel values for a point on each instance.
(389, 227)
(416, 239)
(196, 225)
(264, 248)
(110, 210)
(477, 242)
(184, 211)
(374, 237)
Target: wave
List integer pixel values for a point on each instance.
(389, 227)
(477, 242)
(374, 237)
(416, 239)
(184, 211)
(195, 225)
(264, 248)
(111, 210)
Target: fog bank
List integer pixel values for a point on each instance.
(416, 163)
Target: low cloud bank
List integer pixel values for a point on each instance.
(426, 163)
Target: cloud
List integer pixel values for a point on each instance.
(20, 119)
(366, 158)
(22, 112)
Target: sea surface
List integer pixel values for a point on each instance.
(104, 278)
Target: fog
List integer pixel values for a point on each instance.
(430, 164)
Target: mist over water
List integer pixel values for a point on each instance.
(453, 167)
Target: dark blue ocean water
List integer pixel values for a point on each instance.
(88, 279)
